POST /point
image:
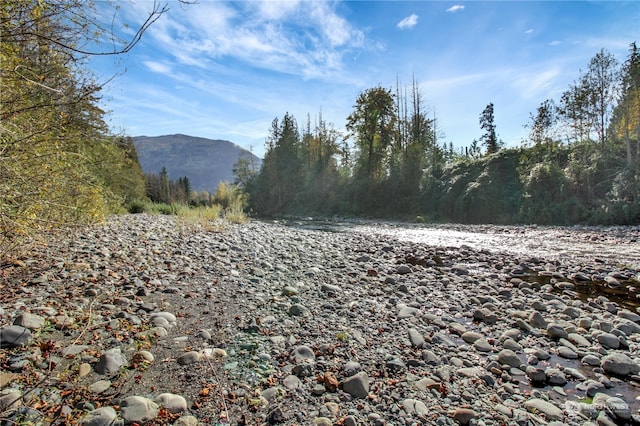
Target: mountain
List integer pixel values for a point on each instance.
(206, 162)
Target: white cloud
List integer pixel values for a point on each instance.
(276, 10)
(529, 31)
(455, 8)
(157, 67)
(537, 83)
(335, 28)
(408, 22)
(308, 39)
(554, 43)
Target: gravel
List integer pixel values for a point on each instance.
(151, 320)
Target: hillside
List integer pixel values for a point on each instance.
(206, 162)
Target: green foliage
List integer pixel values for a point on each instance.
(487, 123)
(228, 196)
(484, 190)
(396, 167)
(161, 189)
(549, 196)
(59, 165)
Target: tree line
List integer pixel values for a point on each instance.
(59, 163)
(579, 163)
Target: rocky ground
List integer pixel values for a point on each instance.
(147, 320)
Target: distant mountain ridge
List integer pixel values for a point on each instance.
(206, 162)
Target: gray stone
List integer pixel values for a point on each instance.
(13, 336)
(464, 415)
(541, 354)
(631, 316)
(471, 336)
(403, 269)
(609, 340)
(619, 408)
(395, 364)
(536, 375)
(574, 373)
(330, 289)
(482, 345)
(537, 320)
(10, 398)
(550, 411)
(628, 327)
(186, 421)
(30, 321)
(604, 420)
(407, 312)
(351, 367)
(555, 377)
(457, 328)
(138, 409)
(512, 345)
(103, 416)
(299, 310)
(303, 369)
(590, 359)
(556, 331)
(430, 358)
(100, 386)
(188, 358)
(110, 363)
(415, 406)
(171, 318)
(578, 340)
(426, 383)
(292, 382)
(416, 338)
(508, 357)
(357, 385)
(619, 364)
(349, 421)
(565, 352)
(302, 354)
(593, 387)
(585, 323)
(172, 402)
(485, 315)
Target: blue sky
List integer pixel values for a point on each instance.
(225, 70)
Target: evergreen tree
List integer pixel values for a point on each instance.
(489, 138)
(280, 181)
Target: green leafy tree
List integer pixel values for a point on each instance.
(625, 123)
(588, 103)
(57, 158)
(601, 79)
(540, 129)
(372, 125)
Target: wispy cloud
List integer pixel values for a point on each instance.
(529, 31)
(456, 8)
(408, 22)
(537, 83)
(157, 67)
(308, 39)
